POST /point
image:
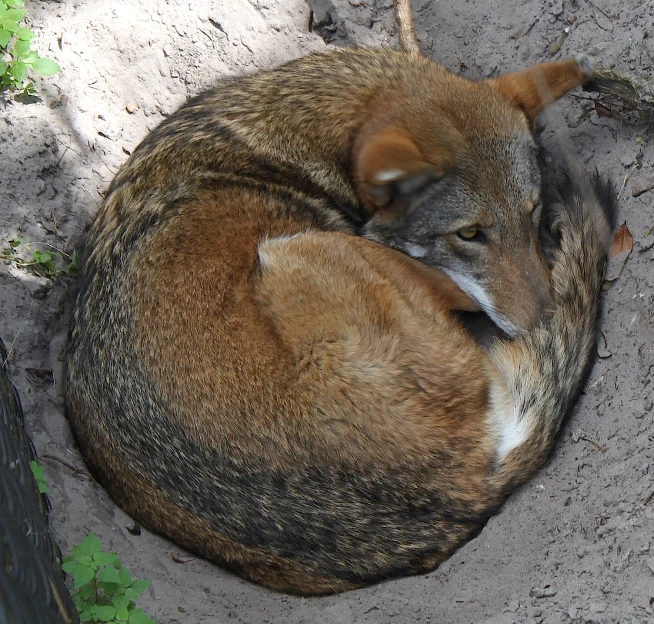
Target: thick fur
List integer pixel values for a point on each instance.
(249, 377)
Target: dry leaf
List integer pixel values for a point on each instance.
(619, 251)
(602, 350)
(622, 241)
(602, 111)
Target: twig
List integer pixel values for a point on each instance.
(10, 350)
(405, 28)
(602, 11)
(624, 182)
(599, 447)
(63, 462)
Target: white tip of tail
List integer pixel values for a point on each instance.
(587, 64)
(511, 430)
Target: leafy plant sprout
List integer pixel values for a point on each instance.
(52, 263)
(37, 471)
(103, 589)
(16, 57)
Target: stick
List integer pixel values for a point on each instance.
(405, 29)
(623, 96)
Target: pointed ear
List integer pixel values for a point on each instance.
(389, 164)
(532, 89)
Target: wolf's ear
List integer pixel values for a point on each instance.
(389, 166)
(533, 88)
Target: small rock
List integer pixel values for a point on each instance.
(131, 107)
(641, 184)
(513, 606)
(596, 387)
(545, 592)
(41, 292)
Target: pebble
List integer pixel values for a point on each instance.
(642, 184)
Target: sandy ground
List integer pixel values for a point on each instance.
(575, 544)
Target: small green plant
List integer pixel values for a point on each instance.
(51, 264)
(104, 590)
(16, 57)
(37, 471)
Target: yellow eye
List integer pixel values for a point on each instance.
(468, 233)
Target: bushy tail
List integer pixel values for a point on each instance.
(543, 371)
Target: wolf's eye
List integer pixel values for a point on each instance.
(471, 234)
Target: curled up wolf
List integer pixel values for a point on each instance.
(266, 363)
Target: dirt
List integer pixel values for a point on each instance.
(574, 545)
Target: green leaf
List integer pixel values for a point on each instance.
(25, 34)
(5, 36)
(104, 614)
(37, 471)
(3, 68)
(120, 602)
(87, 592)
(17, 70)
(122, 605)
(14, 242)
(131, 594)
(72, 270)
(138, 617)
(140, 586)
(68, 566)
(83, 575)
(90, 545)
(30, 57)
(16, 4)
(125, 577)
(44, 66)
(79, 601)
(103, 558)
(74, 553)
(87, 560)
(86, 615)
(110, 575)
(15, 15)
(10, 25)
(109, 589)
(20, 49)
(42, 257)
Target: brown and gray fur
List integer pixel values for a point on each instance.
(255, 377)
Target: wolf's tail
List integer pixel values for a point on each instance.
(541, 373)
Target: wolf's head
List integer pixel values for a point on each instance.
(449, 175)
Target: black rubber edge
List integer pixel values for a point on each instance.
(32, 588)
